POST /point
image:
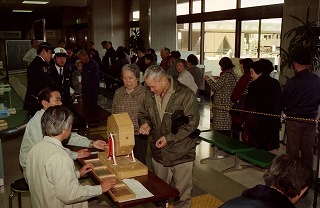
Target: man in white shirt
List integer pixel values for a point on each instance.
(32, 53)
(34, 135)
(51, 173)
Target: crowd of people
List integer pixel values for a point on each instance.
(165, 115)
(256, 102)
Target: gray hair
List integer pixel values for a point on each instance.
(133, 68)
(82, 53)
(289, 174)
(155, 72)
(55, 119)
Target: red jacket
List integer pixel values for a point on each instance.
(240, 88)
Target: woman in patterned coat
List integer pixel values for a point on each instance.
(222, 88)
(129, 98)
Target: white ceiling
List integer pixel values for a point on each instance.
(8, 5)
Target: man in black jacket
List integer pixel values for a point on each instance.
(38, 77)
(301, 98)
(107, 61)
(287, 180)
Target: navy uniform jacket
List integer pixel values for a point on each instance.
(38, 77)
(62, 83)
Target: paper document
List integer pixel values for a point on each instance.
(137, 188)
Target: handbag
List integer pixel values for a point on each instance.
(239, 105)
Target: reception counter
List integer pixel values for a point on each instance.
(16, 122)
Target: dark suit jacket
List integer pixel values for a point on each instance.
(110, 55)
(62, 84)
(38, 77)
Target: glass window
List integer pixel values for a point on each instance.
(196, 6)
(249, 39)
(183, 36)
(182, 7)
(270, 39)
(250, 3)
(196, 38)
(218, 5)
(135, 14)
(219, 41)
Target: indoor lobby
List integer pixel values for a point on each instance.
(210, 29)
(210, 187)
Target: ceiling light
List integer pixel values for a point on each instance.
(35, 2)
(21, 10)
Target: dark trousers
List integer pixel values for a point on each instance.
(140, 147)
(236, 128)
(301, 136)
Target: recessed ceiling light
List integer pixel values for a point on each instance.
(21, 10)
(35, 2)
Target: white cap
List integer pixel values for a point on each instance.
(59, 52)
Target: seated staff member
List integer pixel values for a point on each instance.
(51, 173)
(34, 135)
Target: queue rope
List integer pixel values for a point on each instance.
(226, 108)
(105, 74)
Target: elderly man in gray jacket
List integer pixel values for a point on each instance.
(169, 115)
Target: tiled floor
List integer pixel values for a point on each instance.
(207, 177)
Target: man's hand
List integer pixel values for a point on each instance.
(86, 169)
(107, 184)
(145, 129)
(83, 153)
(99, 144)
(162, 142)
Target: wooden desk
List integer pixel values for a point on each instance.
(90, 113)
(159, 188)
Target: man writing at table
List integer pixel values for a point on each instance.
(51, 173)
(172, 147)
(33, 133)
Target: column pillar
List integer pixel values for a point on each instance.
(158, 21)
(108, 20)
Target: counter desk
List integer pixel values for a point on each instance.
(160, 189)
(16, 122)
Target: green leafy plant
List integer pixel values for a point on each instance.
(306, 35)
(135, 41)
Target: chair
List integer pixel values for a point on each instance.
(19, 186)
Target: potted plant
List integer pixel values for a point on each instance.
(135, 41)
(306, 35)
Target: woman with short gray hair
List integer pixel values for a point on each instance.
(128, 98)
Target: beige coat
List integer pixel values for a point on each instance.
(53, 179)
